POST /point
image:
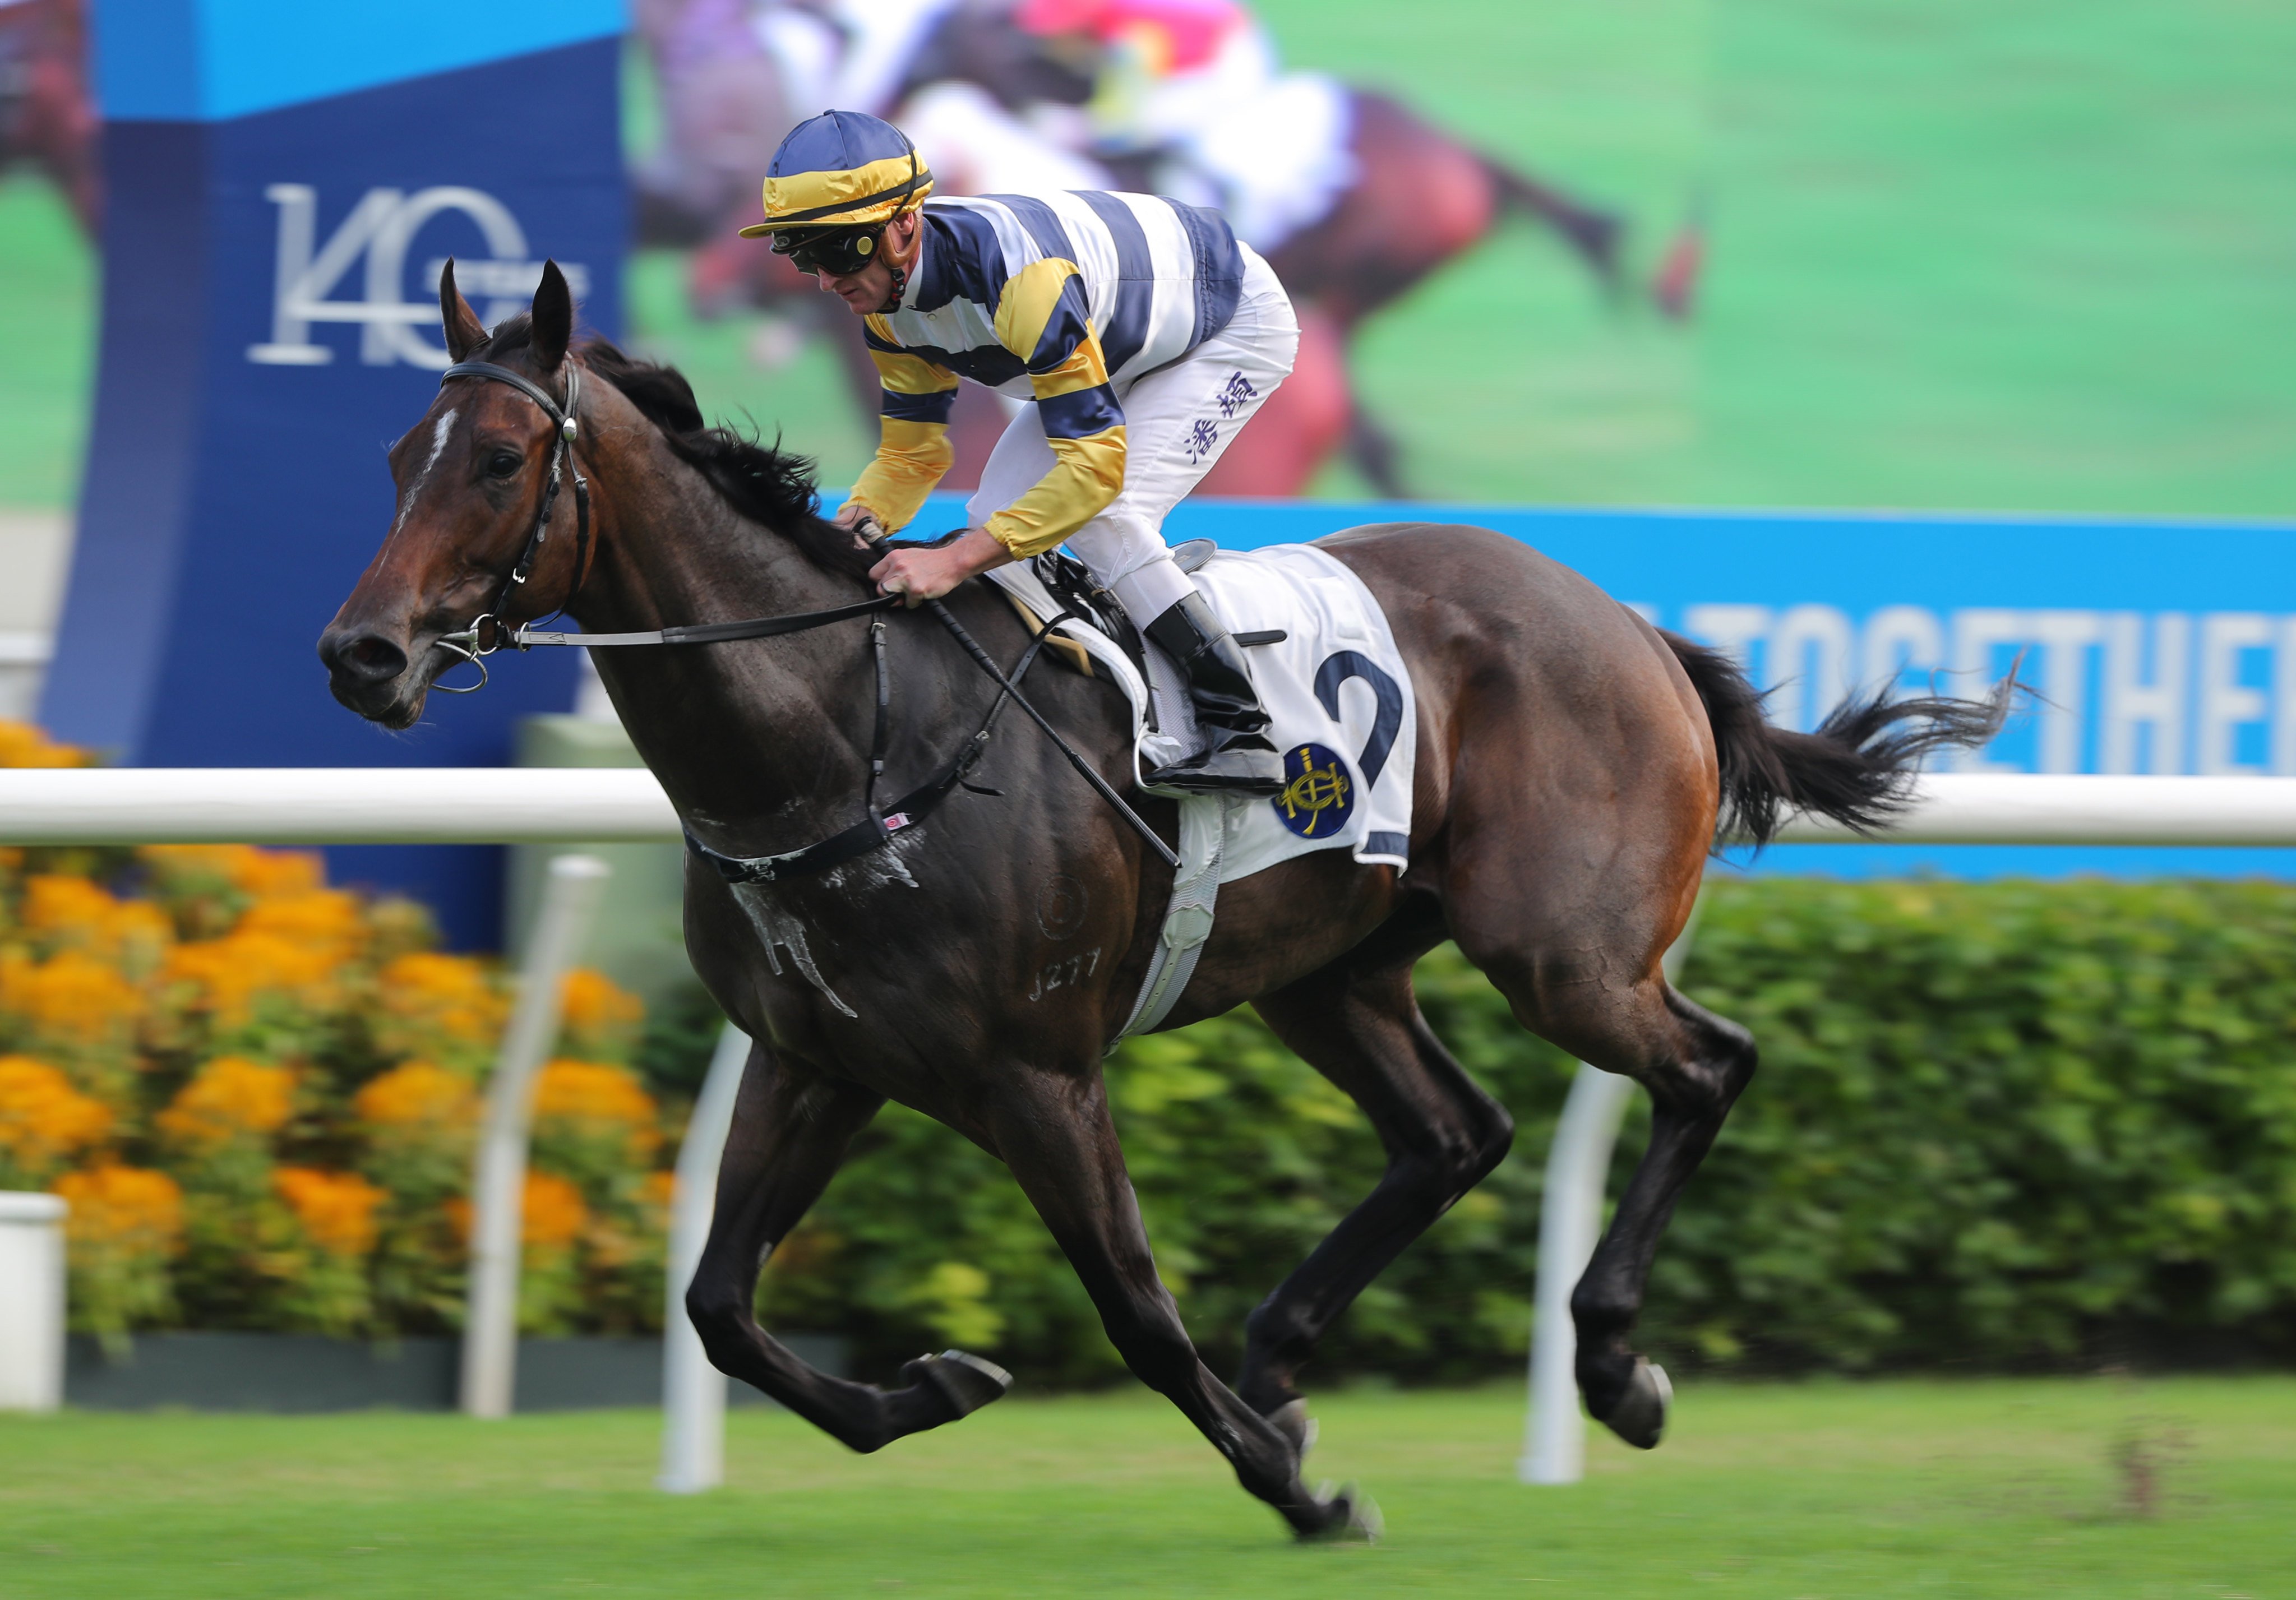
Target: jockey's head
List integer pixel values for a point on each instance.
(840, 199)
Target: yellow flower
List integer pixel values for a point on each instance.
(555, 1215)
(130, 1207)
(43, 1119)
(70, 997)
(336, 1209)
(600, 1016)
(659, 1190)
(593, 1092)
(317, 918)
(229, 974)
(23, 745)
(64, 911)
(417, 1095)
(228, 1098)
(276, 874)
(430, 1002)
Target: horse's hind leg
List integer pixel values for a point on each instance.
(788, 1136)
(1693, 1085)
(1694, 1064)
(1054, 1131)
(1357, 1023)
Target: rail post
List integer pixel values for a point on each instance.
(570, 899)
(31, 1301)
(694, 1392)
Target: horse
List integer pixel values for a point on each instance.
(1572, 762)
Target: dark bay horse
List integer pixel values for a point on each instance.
(1571, 764)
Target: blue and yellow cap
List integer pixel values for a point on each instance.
(842, 170)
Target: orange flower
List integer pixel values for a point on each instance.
(417, 1094)
(598, 1008)
(68, 911)
(336, 1209)
(132, 1207)
(72, 996)
(660, 1189)
(23, 745)
(592, 1090)
(231, 973)
(328, 918)
(430, 998)
(228, 1098)
(555, 1215)
(276, 874)
(43, 1119)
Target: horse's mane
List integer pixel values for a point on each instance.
(763, 482)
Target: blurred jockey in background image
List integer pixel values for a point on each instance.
(1353, 199)
(1139, 334)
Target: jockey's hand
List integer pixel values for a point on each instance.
(866, 530)
(922, 575)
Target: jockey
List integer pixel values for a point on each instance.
(1143, 334)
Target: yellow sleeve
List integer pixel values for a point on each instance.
(1042, 318)
(913, 449)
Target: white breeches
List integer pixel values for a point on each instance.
(1178, 421)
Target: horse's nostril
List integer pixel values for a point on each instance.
(368, 657)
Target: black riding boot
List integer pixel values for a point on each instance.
(1237, 758)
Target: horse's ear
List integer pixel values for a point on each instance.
(553, 318)
(464, 332)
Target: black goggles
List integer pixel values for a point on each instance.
(839, 252)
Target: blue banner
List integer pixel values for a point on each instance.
(284, 183)
(2152, 647)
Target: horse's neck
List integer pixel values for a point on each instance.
(752, 741)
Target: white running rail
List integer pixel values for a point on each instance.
(544, 805)
(489, 805)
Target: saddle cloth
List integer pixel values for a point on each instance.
(1341, 710)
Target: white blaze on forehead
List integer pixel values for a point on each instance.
(438, 446)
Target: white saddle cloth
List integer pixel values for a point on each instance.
(1338, 696)
(1341, 710)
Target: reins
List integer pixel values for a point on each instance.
(877, 827)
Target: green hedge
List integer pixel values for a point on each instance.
(1995, 1124)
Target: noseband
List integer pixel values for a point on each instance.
(485, 635)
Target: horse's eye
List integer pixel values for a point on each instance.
(503, 464)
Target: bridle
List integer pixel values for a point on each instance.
(876, 829)
(485, 635)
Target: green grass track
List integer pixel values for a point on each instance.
(1848, 1491)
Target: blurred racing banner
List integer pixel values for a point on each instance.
(2150, 646)
(284, 182)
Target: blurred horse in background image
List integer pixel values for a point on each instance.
(1354, 198)
(47, 117)
(1571, 766)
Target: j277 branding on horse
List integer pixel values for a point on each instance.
(381, 228)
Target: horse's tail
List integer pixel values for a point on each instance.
(1858, 767)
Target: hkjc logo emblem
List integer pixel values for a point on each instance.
(381, 228)
(1319, 793)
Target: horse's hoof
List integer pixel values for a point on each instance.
(1349, 1517)
(1639, 1417)
(965, 1380)
(1290, 1419)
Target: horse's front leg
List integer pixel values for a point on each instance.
(1054, 1131)
(790, 1134)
